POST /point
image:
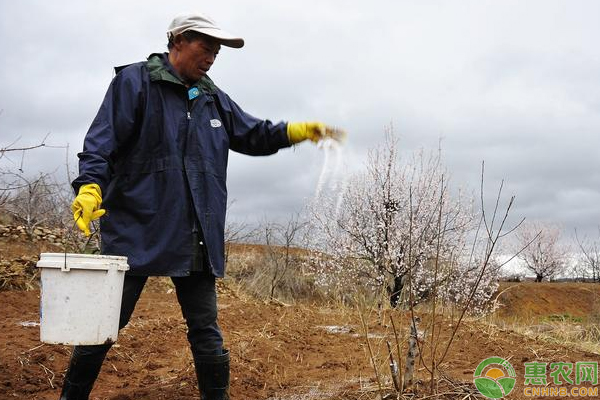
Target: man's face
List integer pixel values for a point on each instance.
(195, 57)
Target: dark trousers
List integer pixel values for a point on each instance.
(198, 300)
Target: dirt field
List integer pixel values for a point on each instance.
(278, 352)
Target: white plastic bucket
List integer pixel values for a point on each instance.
(81, 298)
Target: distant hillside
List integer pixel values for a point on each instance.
(547, 299)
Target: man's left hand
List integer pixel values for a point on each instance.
(315, 131)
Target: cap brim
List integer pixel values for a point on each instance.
(225, 38)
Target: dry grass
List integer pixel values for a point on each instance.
(555, 313)
(251, 270)
(576, 333)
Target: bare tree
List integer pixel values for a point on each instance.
(280, 240)
(9, 175)
(4, 196)
(542, 252)
(589, 258)
(12, 147)
(36, 201)
(236, 232)
(31, 199)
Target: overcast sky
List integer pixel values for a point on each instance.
(514, 83)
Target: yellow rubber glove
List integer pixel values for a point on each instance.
(315, 131)
(86, 206)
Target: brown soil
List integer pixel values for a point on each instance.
(549, 299)
(278, 352)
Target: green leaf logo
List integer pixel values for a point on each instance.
(508, 384)
(494, 377)
(489, 388)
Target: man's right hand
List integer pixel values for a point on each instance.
(86, 206)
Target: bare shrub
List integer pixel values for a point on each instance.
(275, 269)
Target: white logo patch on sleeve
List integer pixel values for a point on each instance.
(215, 123)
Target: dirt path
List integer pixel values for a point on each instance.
(278, 352)
(274, 349)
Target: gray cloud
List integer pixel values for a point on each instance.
(513, 83)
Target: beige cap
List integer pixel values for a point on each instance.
(202, 23)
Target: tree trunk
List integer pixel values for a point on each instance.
(396, 291)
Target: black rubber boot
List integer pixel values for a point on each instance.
(84, 368)
(213, 376)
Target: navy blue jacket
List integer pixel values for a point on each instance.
(161, 162)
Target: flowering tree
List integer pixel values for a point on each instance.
(543, 254)
(396, 225)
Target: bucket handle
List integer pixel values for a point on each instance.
(65, 267)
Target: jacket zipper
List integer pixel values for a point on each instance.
(197, 232)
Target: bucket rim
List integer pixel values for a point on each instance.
(67, 261)
(83, 255)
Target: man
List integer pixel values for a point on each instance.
(155, 157)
